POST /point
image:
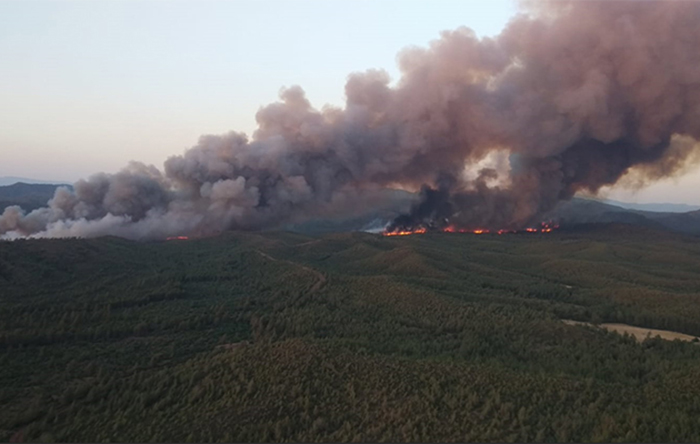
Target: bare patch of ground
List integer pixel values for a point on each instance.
(639, 333)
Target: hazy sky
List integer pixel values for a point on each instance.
(86, 86)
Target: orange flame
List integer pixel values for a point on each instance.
(545, 227)
(177, 238)
(405, 233)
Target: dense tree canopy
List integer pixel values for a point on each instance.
(350, 337)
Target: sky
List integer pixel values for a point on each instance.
(87, 86)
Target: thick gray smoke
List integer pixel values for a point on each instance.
(570, 96)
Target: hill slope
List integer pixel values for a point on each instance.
(350, 337)
(654, 207)
(583, 211)
(27, 196)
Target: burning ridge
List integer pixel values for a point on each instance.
(571, 96)
(545, 227)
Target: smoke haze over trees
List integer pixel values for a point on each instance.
(571, 96)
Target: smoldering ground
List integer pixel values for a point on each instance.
(571, 96)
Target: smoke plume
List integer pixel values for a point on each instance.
(571, 96)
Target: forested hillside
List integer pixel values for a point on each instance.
(28, 196)
(350, 337)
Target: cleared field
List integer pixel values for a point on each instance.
(639, 333)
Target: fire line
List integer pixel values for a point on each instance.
(545, 227)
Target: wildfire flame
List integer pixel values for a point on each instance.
(177, 238)
(545, 227)
(420, 230)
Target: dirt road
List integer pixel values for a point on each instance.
(320, 278)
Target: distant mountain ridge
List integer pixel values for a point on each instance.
(11, 180)
(29, 196)
(568, 213)
(655, 207)
(586, 211)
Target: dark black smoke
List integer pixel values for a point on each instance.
(432, 211)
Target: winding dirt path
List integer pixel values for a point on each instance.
(320, 278)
